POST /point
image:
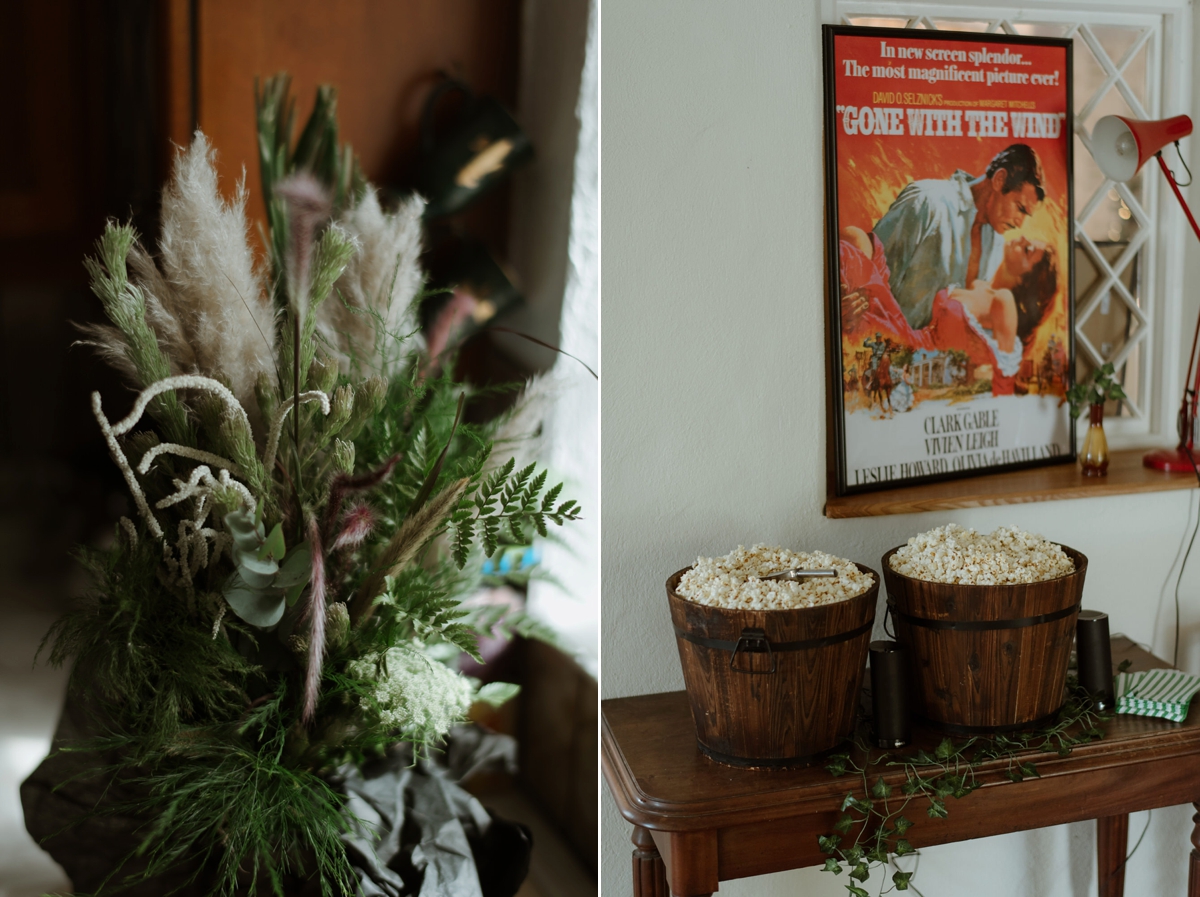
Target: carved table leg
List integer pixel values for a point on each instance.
(649, 873)
(1112, 840)
(1194, 864)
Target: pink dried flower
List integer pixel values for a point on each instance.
(357, 523)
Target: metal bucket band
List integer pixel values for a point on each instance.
(723, 645)
(982, 625)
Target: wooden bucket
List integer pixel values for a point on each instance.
(986, 658)
(773, 687)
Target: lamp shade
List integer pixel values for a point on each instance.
(1122, 145)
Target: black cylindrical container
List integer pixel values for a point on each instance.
(889, 695)
(1094, 653)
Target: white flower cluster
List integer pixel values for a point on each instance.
(419, 696)
(953, 554)
(733, 580)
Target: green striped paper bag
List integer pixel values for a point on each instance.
(1162, 693)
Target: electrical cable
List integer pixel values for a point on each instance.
(1185, 166)
(1179, 579)
(1129, 856)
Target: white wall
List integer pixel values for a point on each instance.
(713, 406)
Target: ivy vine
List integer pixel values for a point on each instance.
(873, 811)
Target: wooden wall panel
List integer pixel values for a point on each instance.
(382, 55)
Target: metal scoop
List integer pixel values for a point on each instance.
(801, 575)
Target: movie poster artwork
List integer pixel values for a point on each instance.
(949, 193)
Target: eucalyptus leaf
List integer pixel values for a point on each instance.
(258, 607)
(296, 569)
(242, 523)
(273, 546)
(256, 574)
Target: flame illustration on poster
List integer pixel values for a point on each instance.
(948, 161)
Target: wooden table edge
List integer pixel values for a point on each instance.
(641, 809)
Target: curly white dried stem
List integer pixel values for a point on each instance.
(203, 483)
(186, 381)
(314, 395)
(118, 456)
(185, 451)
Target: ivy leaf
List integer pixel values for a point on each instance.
(847, 801)
(881, 789)
(860, 872)
(856, 891)
(945, 750)
(853, 854)
(902, 825)
(844, 823)
(903, 848)
(911, 786)
(1030, 770)
(937, 809)
(828, 843)
(1124, 665)
(837, 767)
(832, 865)
(877, 854)
(901, 879)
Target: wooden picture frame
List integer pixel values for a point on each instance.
(950, 215)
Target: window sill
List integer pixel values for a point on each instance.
(1126, 475)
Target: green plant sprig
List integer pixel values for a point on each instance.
(1100, 387)
(874, 811)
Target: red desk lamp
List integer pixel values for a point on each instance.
(1120, 147)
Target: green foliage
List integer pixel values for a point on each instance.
(273, 818)
(1100, 387)
(126, 307)
(150, 663)
(876, 810)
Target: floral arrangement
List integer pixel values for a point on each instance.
(309, 505)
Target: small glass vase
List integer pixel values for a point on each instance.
(1094, 456)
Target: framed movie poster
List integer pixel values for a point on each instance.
(948, 163)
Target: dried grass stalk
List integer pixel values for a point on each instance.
(400, 551)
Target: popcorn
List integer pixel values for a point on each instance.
(733, 581)
(953, 554)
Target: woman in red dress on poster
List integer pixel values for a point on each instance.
(990, 322)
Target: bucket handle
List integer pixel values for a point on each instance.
(756, 642)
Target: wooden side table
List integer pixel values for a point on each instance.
(697, 822)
